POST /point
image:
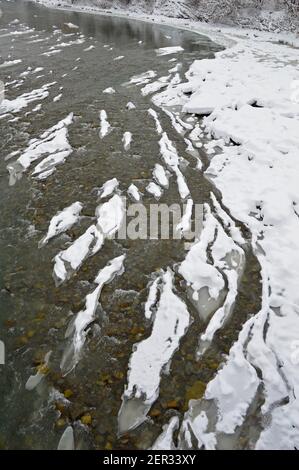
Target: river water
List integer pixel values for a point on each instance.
(72, 55)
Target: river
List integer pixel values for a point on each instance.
(55, 66)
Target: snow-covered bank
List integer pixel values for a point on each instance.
(266, 15)
(251, 93)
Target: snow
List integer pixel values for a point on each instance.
(110, 216)
(143, 78)
(160, 175)
(199, 425)
(153, 87)
(63, 221)
(150, 356)
(53, 141)
(176, 125)
(154, 189)
(108, 188)
(86, 245)
(53, 52)
(196, 270)
(10, 63)
(134, 193)
(48, 165)
(130, 106)
(169, 50)
(105, 126)
(171, 158)
(71, 25)
(109, 91)
(57, 98)
(89, 48)
(165, 440)
(127, 139)
(185, 223)
(109, 219)
(152, 298)
(249, 91)
(154, 115)
(22, 101)
(78, 327)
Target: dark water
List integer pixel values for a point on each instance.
(34, 313)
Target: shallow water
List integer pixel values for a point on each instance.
(34, 313)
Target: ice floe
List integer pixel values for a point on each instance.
(152, 298)
(109, 91)
(154, 189)
(62, 221)
(185, 224)
(10, 63)
(160, 175)
(143, 78)
(109, 219)
(247, 90)
(127, 139)
(22, 101)
(57, 98)
(154, 114)
(108, 188)
(133, 191)
(89, 48)
(171, 158)
(130, 106)
(155, 86)
(67, 441)
(165, 440)
(150, 356)
(169, 50)
(105, 126)
(71, 25)
(77, 329)
(53, 141)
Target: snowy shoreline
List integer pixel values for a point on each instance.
(250, 91)
(218, 33)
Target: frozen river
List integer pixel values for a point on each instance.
(102, 335)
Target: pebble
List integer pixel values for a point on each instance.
(86, 419)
